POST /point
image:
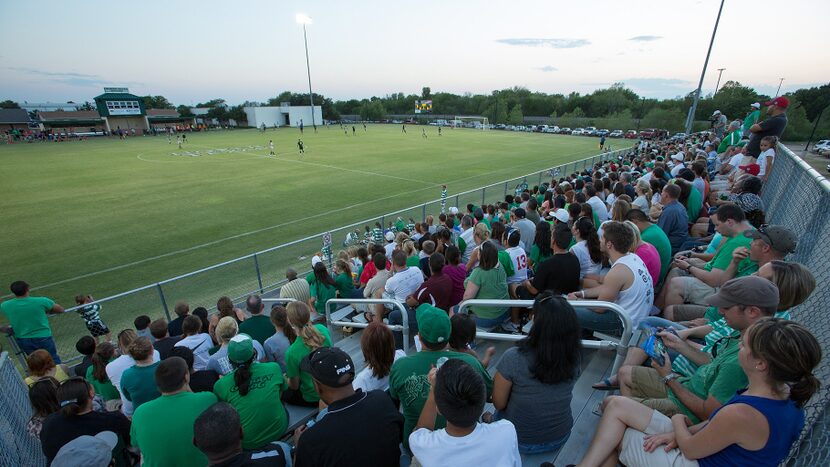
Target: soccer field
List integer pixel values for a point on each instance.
(103, 216)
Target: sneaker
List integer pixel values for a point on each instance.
(510, 327)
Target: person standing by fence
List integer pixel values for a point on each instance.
(28, 317)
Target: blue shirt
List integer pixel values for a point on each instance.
(675, 222)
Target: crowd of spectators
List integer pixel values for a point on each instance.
(673, 233)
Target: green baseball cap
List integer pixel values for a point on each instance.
(433, 324)
(241, 348)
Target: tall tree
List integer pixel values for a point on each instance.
(9, 104)
(184, 111)
(157, 102)
(516, 116)
(426, 92)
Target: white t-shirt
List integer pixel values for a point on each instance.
(200, 344)
(586, 265)
(403, 283)
(769, 154)
(390, 248)
(115, 369)
(519, 259)
(638, 299)
(599, 208)
(489, 444)
(367, 381)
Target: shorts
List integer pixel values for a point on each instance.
(648, 389)
(97, 328)
(688, 312)
(695, 290)
(632, 452)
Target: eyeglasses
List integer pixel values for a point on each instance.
(763, 231)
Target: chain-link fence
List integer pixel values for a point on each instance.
(797, 196)
(17, 447)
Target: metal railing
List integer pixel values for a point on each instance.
(620, 346)
(262, 272)
(17, 447)
(404, 328)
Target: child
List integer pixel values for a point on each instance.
(86, 347)
(142, 327)
(458, 393)
(767, 156)
(463, 335)
(91, 313)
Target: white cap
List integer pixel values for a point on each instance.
(717, 112)
(453, 210)
(315, 259)
(390, 237)
(678, 156)
(561, 215)
(756, 105)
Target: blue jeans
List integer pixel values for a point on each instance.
(30, 344)
(490, 323)
(396, 318)
(530, 449)
(658, 322)
(603, 322)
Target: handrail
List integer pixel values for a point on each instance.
(621, 347)
(818, 177)
(370, 301)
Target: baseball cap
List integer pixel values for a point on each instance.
(747, 290)
(433, 324)
(89, 451)
(315, 259)
(779, 101)
(240, 348)
(778, 237)
(717, 112)
(390, 237)
(756, 105)
(561, 215)
(752, 169)
(328, 365)
(677, 157)
(520, 213)
(453, 210)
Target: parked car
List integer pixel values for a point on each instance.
(649, 133)
(603, 132)
(551, 129)
(578, 132)
(678, 137)
(631, 134)
(590, 131)
(616, 134)
(822, 147)
(530, 128)
(565, 131)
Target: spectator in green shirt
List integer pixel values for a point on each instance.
(259, 325)
(28, 317)
(751, 118)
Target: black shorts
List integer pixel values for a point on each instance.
(97, 328)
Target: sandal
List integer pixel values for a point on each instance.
(605, 385)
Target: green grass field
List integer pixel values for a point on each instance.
(103, 216)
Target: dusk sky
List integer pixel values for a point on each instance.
(191, 51)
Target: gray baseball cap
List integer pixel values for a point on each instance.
(89, 451)
(748, 291)
(780, 238)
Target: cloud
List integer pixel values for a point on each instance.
(646, 38)
(660, 87)
(53, 74)
(71, 78)
(556, 43)
(548, 68)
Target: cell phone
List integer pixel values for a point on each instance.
(654, 348)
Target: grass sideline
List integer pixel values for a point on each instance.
(77, 208)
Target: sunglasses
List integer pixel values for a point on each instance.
(763, 231)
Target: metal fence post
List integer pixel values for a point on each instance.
(456, 201)
(540, 179)
(424, 213)
(382, 222)
(258, 273)
(163, 301)
(505, 189)
(483, 191)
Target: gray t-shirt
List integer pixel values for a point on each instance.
(220, 363)
(773, 126)
(540, 412)
(275, 347)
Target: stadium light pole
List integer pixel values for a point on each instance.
(304, 20)
(691, 117)
(717, 85)
(778, 91)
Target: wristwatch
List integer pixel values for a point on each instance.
(669, 377)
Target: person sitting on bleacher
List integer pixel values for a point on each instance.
(756, 426)
(196, 340)
(218, 433)
(225, 330)
(254, 389)
(628, 283)
(378, 346)
(357, 429)
(559, 273)
(404, 282)
(408, 378)
(309, 338)
(742, 302)
(458, 393)
(437, 289)
(534, 384)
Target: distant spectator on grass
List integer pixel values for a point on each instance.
(197, 341)
(294, 288)
(182, 310)
(164, 342)
(258, 325)
(28, 317)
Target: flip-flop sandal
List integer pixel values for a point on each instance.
(605, 385)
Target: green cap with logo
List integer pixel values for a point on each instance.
(241, 348)
(433, 324)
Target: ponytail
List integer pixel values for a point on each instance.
(802, 390)
(300, 317)
(242, 376)
(73, 396)
(103, 353)
(279, 318)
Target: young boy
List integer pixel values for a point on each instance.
(142, 327)
(271, 147)
(86, 347)
(458, 393)
(301, 146)
(91, 313)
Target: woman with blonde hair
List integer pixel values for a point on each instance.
(620, 209)
(225, 331)
(644, 194)
(481, 233)
(412, 259)
(309, 338)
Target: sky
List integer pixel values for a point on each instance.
(194, 51)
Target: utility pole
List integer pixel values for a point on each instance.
(691, 116)
(720, 72)
(779, 87)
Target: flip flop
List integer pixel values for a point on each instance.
(605, 385)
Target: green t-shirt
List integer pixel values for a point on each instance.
(104, 389)
(344, 284)
(732, 139)
(723, 257)
(721, 378)
(751, 119)
(492, 284)
(163, 429)
(658, 238)
(536, 256)
(138, 384)
(259, 327)
(694, 205)
(295, 354)
(487, 222)
(413, 261)
(27, 316)
(263, 416)
(408, 383)
(322, 293)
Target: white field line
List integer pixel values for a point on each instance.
(284, 224)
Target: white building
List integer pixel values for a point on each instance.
(284, 115)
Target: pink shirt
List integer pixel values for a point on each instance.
(457, 274)
(651, 258)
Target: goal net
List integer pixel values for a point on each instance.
(478, 123)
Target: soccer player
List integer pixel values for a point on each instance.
(354, 132)
(443, 198)
(439, 131)
(179, 141)
(301, 146)
(423, 133)
(403, 128)
(184, 138)
(271, 146)
(364, 126)
(301, 126)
